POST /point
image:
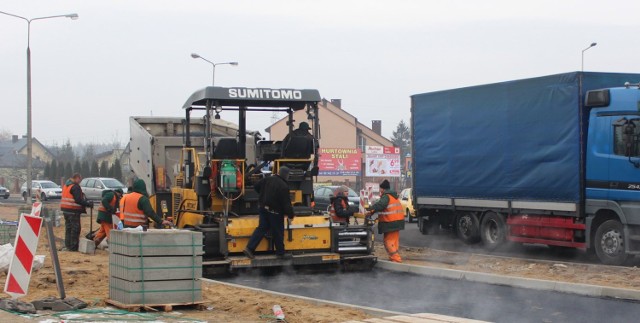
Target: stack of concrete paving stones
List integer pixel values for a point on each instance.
(155, 267)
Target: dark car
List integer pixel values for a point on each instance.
(4, 192)
(323, 194)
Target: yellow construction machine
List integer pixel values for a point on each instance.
(212, 189)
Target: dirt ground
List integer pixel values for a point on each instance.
(86, 278)
(593, 274)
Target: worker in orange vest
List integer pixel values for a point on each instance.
(390, 219)
(339, 209)
(72, 205)
(135, 207)
(108, 207)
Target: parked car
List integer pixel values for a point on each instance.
(92, 187)
(406, 199)
(323, 194)
(45, 189)
(4, 192)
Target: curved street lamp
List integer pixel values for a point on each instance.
(213, 80)
(72, 16)
(584, 50)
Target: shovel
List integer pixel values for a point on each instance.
(91, 233)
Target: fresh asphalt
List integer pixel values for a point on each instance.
(410, 293)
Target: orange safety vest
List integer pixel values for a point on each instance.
(332, 212)
(101, 208)
(130, 214)
(68, 204)
(393, 212)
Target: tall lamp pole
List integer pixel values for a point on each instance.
(218, 110)
(72, 16)
(213, 80)
(584, 50)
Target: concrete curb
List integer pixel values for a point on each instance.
(530, 283)
(369, 310)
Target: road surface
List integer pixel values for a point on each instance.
(16, 199)
(418, 294)
(445, 240)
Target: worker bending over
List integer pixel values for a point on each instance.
(135, 207)
(390, 219)
(106, 210)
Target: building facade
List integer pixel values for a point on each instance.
(13, 161)
(338, 129)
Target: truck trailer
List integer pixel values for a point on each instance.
(550, 160)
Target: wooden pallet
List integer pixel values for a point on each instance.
(154, 307)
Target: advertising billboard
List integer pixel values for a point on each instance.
(382, 161)
(340, 162)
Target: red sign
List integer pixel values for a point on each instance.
(19, 273)
(380, 150)
(339, 162)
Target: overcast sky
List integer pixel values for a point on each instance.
(124, 58)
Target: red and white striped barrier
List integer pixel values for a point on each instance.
(19, 273)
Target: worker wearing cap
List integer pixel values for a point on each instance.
(108, 207)
(135, 207)
(390, 219)
(302, 131)
(72, 205)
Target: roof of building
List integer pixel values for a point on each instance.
(344, 115)
(9, 156)
(117, 151)
(14, 160)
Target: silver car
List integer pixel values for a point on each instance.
(46, 190)
(92, 187)
(4, 192)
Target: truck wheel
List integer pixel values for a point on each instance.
(468, 227)
(422, 225)
(493, 230)
(609, 243)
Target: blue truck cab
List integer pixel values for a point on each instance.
(613, 171)
(549, 160)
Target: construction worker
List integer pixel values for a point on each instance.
(106, 210)
(135, 207)
(339, 209)
(275, 203)
(72, 205)
(302, 131)
(390, 219)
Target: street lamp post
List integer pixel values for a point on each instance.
(208, 113)
(72, 16)
(584, 50)
(213, 80)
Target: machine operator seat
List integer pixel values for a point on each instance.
(227, 148)
(298, 147)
